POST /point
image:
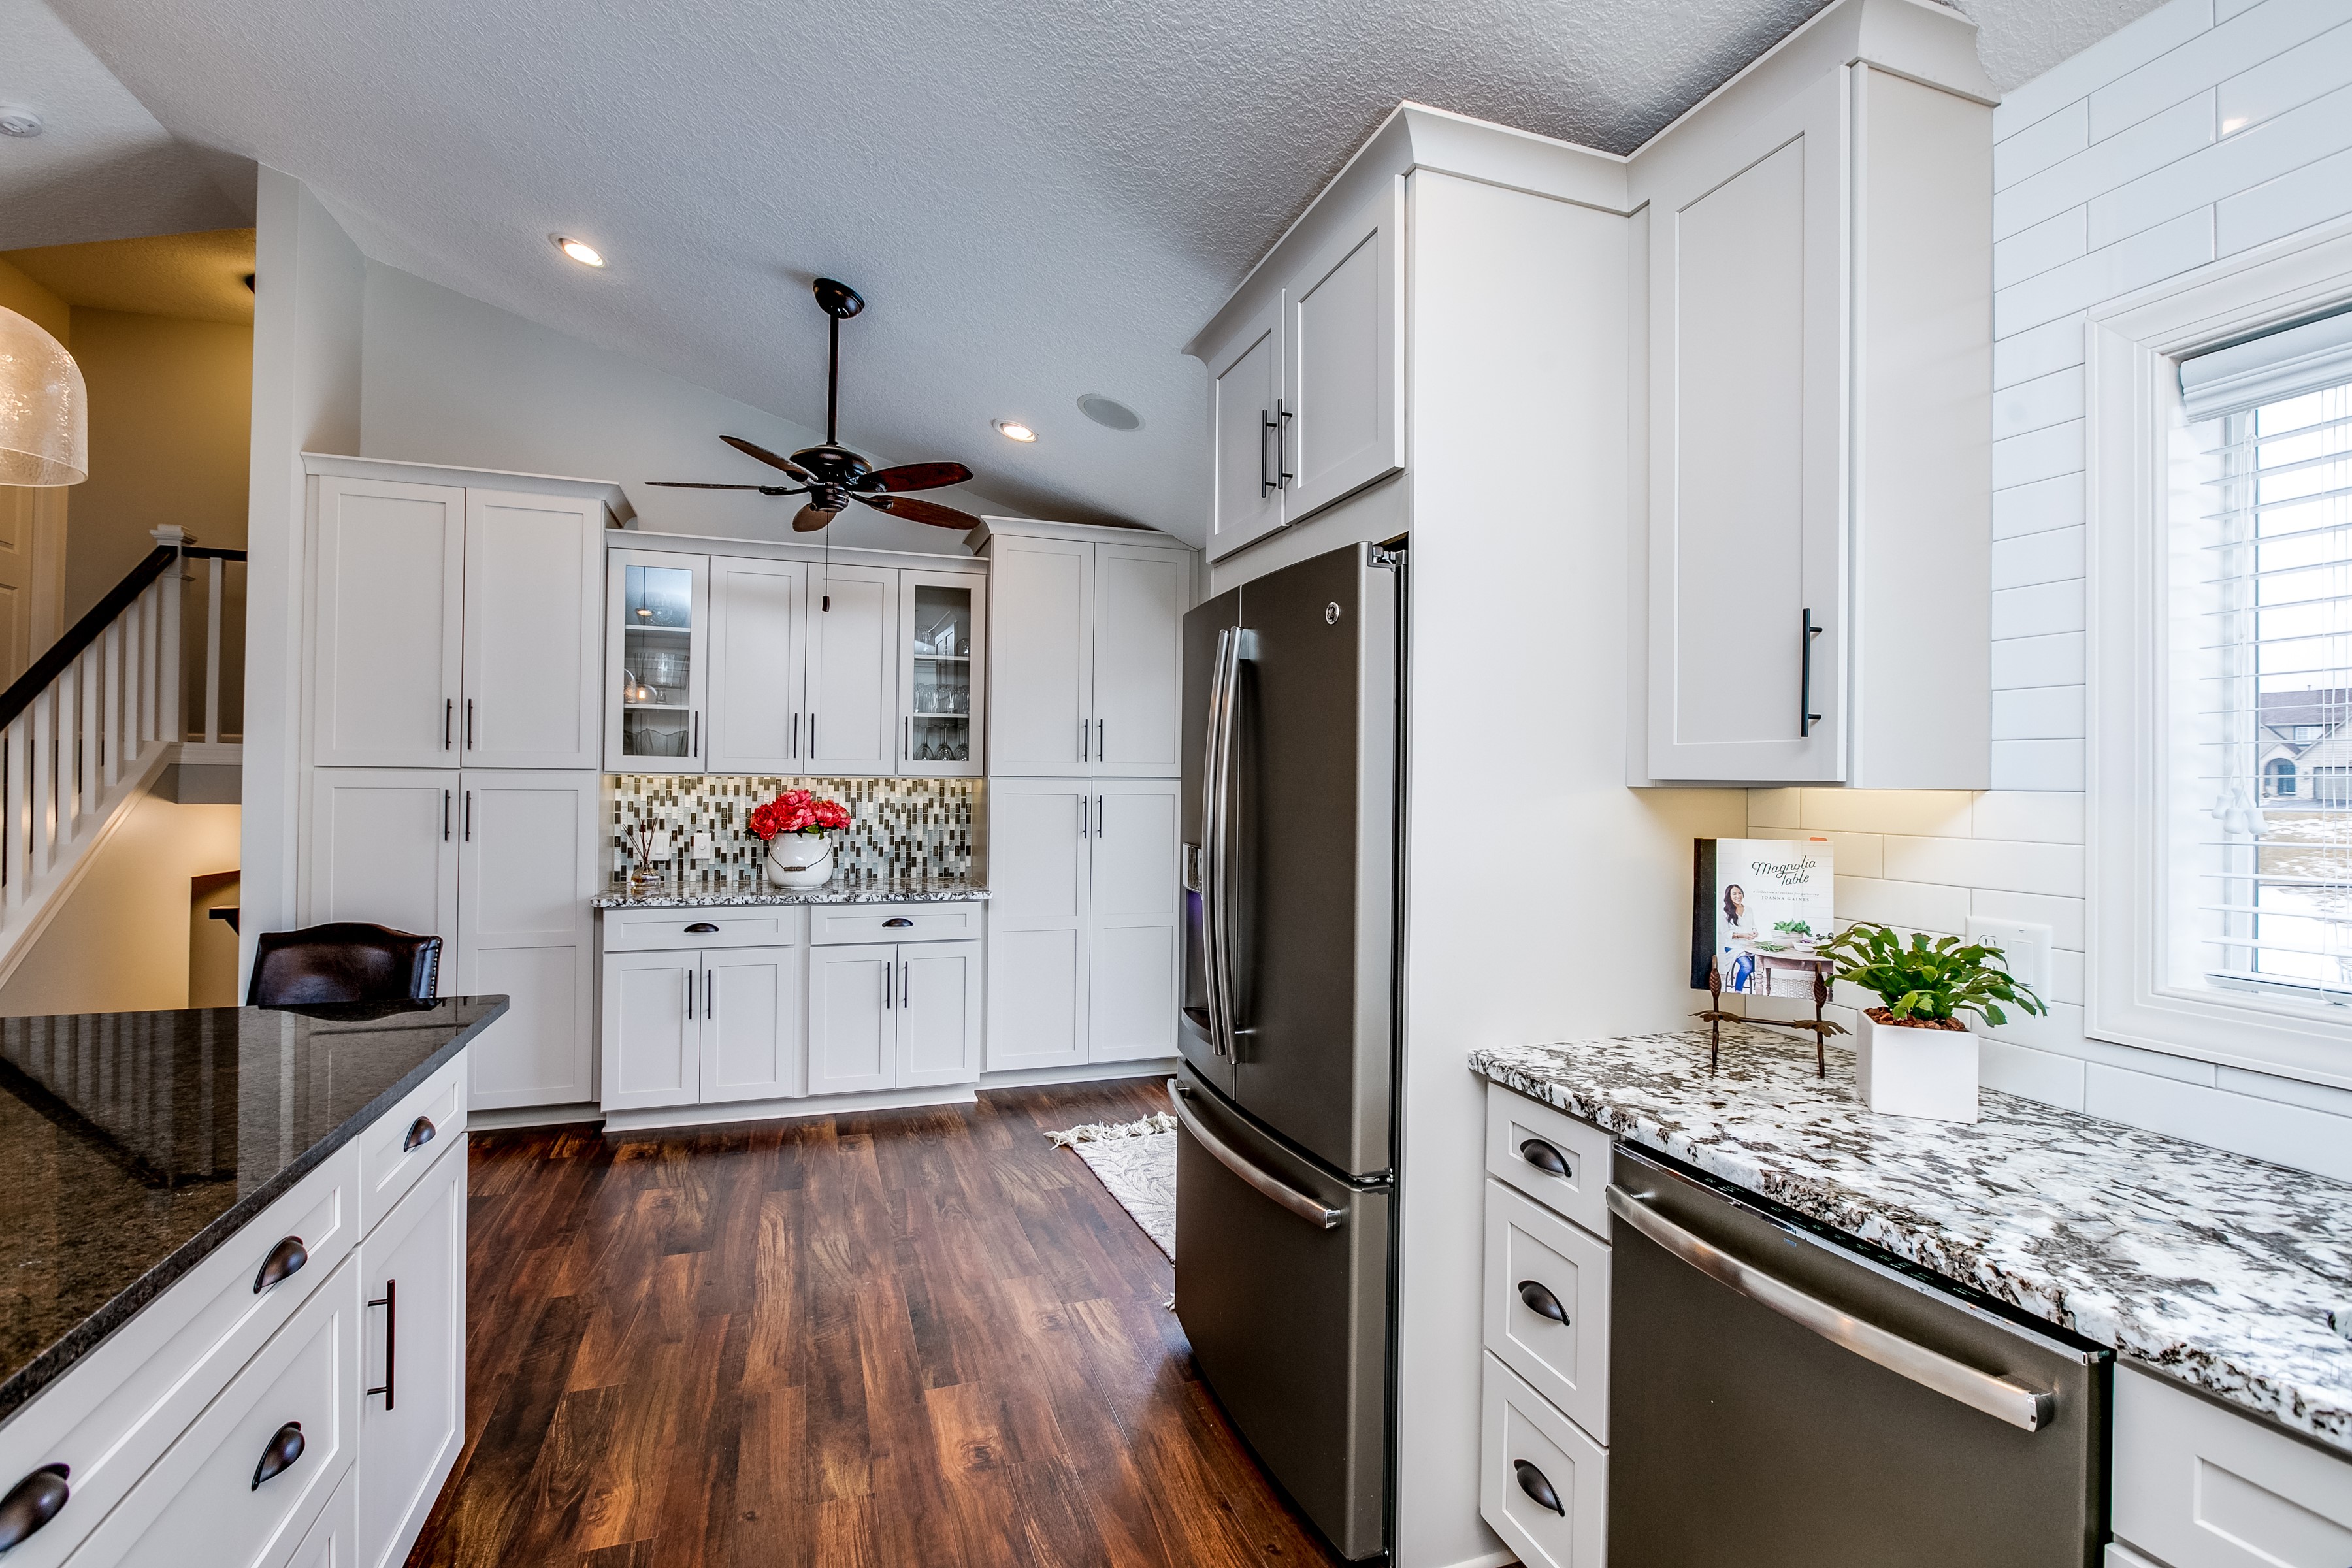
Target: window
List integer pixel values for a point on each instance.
(2281, 776)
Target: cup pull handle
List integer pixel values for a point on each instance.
(32, 1503)
(702, 928)
(285, 1447)
(896, 922)
(420, 1133)
(1538, 1486)
(1537, 1299)
(285, 1260)
(1543, 1157)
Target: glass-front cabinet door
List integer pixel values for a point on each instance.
(656, 609)
(941, 673)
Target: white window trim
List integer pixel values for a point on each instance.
(2132, 353)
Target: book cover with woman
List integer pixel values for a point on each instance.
(1762, 905)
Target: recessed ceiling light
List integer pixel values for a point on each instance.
(580, 250)
(1013, 430)
(1109, 412)
(17, 121)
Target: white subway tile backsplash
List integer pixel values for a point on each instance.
(2066, 983)
(2286, 1090)
(2313, 193)
(2036, 405)
(2038, 455)
(2045, 1076)
(2230, 47)
(2044, 504)
(2029, 816)
(2053, 555)
(1856, 854)
(2154, 143)
(1913, 906)
(2119, 268)
(2063, 916)
(2288, 79)
(2301, 136)
(2035, 611)
(2038, 713)
(1994, 863)
(1929, 812)
(2078, 76)
(1772, 808)
(2054, 660)
(2029, 150)
(2042, 247)
(2267, 1130)
(2036, 352)
(2038, 765)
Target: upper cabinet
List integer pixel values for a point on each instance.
(454, 625)
(1087, 628)
(658, 608)
(1306, 392)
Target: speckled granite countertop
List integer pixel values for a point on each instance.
(2224, 1271)
(721, 895)
(131, 1144)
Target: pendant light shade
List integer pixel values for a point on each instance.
(44, 408)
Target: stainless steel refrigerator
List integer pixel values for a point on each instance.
(1286, 1167)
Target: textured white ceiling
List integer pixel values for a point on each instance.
(1038, 200)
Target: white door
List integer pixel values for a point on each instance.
(853, 1017)
(939, 1013)
(383, 848)
(1039, 839)
(652, 1036)
(750, 1024)
(1041, 612)
(656, 609)
(1136, 922)
(757, 631)
(389, 634)
(534, 648)
(1244, 382)
(1343, 360)
(1747, 335)
(527, 868)
(942, 673)
(853, 670)
(1140, 597)
(413, 1348)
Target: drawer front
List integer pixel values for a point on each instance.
(1530, 1458)
(2197, 1487)
(756, 925)
(1523, 1138)
(1536, 1264)
(111, 1417)
(397, 1150)
(840, 925)
(204, 1504)
(2118, 1555)
(332, 1540)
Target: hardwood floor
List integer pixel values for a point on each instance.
(913, 1338)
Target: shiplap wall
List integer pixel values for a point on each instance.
(2202, 129)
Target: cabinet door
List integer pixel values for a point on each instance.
(853, 1017)
(1747, 354)
(853, 670)
(384, 848)
(655, 610)
(1133, 951)
(652, 1030)
(757, 611)
(413, 1347)
(1039, 840)
(527, 868)
(1343, 360)
(534, 578)
(939, 1013)
(1244, 382)
(389, 638)
(750, 1024)
(1041, 606)
(941, 673)
(1140, 597)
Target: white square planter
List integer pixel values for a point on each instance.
(1903, 1071)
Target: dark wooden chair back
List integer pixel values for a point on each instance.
(345, 961)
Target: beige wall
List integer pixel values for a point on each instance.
(28, 299)
(120, 939)
(170, 439)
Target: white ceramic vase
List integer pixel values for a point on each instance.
(1900, 1070)
(800, 860)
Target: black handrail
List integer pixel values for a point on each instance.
(197, 552)
(70, 647)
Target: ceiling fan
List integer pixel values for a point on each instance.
(832, 475)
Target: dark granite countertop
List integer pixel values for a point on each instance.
(131, 1144)
(2219, 1270)
(692, 895)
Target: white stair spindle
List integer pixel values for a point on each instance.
(212, 648)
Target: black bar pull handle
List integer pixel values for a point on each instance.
(285, 1447)
(1806, 717)
(1537, 1299)
(448, 717)
(470, 723)
(1543, 1157)
(445, 817)
(1538, 1486)
(389, 1302)
(284, 1261)
(702, 928)
(1266, 482)
(32, 1503)
(420, 1133)
(1282, 416)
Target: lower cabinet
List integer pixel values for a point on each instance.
(2197, 1486)
(893, 1015)
(412, 1417)
(701, 1027)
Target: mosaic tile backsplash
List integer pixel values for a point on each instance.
(899, 828)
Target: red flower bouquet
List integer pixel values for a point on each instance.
(798, 811)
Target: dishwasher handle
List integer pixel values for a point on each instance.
(2003, 1398)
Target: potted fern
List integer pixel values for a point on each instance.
(1913, 1057)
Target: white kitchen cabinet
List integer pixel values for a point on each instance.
(939, 1020)
(853, 672)
(652, 1030)
(412, 1417)
(527, 863)
(750, 1024)
(657, 611)
(759, 618)
(1245, 417)
(701, 1027)
(852, 1017)
(534, 586)
(1139, 599)
(1134, 928)
(388, 641)
(2197, 1486)
(942, 673)
(384, 848)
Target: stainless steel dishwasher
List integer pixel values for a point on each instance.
(1780, 1401)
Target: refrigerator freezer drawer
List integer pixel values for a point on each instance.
(1547, 1313)
(1559, 1162)
(1543, 1485)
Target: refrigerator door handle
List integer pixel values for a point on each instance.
(1304, 1205)
(2004, 1399)
(1221, 965)
(1212, 852)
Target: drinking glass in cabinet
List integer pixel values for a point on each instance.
(661, 596)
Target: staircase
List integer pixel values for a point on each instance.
(88, 729)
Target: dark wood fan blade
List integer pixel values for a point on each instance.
(809, 519)
(917, 477)
(915, 511)
(698, 485)
(750, 450)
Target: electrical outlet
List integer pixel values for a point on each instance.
(2025, 949)
(702, 849)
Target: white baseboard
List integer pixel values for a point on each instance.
(1077, 1072)
(668, 1116)
(499, 1121)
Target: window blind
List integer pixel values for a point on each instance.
(2270, 369)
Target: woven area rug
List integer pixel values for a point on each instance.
(1136, 1162)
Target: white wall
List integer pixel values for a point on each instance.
(2202, 129)
(451, 380)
